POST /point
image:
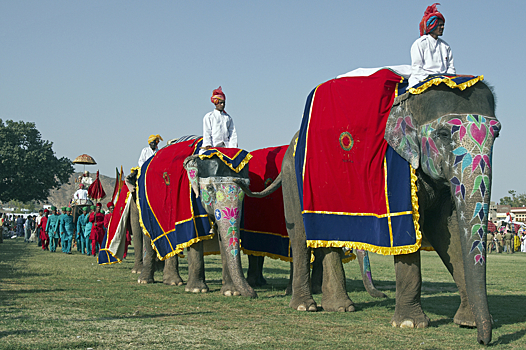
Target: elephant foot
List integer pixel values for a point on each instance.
(199, 287)
(408, 319)
(464, 317)
(142, 280)
(303, 305)
(137, 269)
(338, 305)
(229, 290)
(173, 280)
(256, 281)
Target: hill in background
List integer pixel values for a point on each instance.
(60, 197)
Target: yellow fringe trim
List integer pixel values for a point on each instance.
(349, 258)
(222, 157)
(449, 82)
(382, 250)
(109, 262)
(272, 256)
(212, 253)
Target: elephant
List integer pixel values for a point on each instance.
(447, 136)
(145, 256)
(222, 198)
(147, 264)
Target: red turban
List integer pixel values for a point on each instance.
(217, 95)
(99, 205)
(110, 204)
(430, 19)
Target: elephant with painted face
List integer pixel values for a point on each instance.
(213, 182)
(447, 135)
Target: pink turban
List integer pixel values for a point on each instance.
(217, 95)
(430, 20)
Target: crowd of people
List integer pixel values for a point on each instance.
(55, 228)
(506, 240)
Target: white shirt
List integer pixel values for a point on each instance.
(80, 194)
(146, 153)
(430, 56)
(219, 130)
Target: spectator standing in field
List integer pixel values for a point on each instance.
(52, 229)
(44, 237)
(67, 229)
(81, 228)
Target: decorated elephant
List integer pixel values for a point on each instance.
(444, 128)
(261, 237)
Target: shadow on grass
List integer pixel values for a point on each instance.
(510, 338)
(17, 332)
(145, 316)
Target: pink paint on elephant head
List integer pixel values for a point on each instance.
(479, 135)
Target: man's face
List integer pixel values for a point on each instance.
(97, 209)
(153, 145)
(111, 209)
(220, 105)
(439, 30)
(68, 213)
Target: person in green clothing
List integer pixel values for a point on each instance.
(60, 218)
(87, 231)
(67, 229)
(52, 230)
(81, 227)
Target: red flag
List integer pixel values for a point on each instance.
(96, 191)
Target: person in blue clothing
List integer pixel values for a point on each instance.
(52, 230)
(81, 227)
(87, 231)
(67, 229)
(60, 219)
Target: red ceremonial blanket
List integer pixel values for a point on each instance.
(356, 191)
(264, 232)
(113, 245)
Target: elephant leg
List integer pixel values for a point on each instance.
(137, 234)
(448, 247)
(149, 265)
(196, 269)
(408, 309)
(255, 271)
(171, 272)
(288, 291)
(301, 293)
(367, 278)
(335, 296)
(316, 278)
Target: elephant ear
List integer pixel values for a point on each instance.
(190, 165)
(401, 134)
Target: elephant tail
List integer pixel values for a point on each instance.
(270, 189)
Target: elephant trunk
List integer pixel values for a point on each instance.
(473, 220)
(227, 214)
(231, 253)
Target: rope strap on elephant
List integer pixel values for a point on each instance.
(355, 190)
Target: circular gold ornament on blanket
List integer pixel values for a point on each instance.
(346, 141)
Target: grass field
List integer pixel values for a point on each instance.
(59, 301)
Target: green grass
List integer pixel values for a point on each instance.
(59, 301)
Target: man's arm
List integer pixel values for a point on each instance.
(232, 135)
(417, 64)
(207, 131)
(450, 66)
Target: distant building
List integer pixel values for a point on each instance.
(520, 214)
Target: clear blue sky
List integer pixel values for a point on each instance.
(99, 77)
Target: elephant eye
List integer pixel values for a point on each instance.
(443, 133)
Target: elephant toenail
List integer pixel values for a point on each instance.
(407, 324)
